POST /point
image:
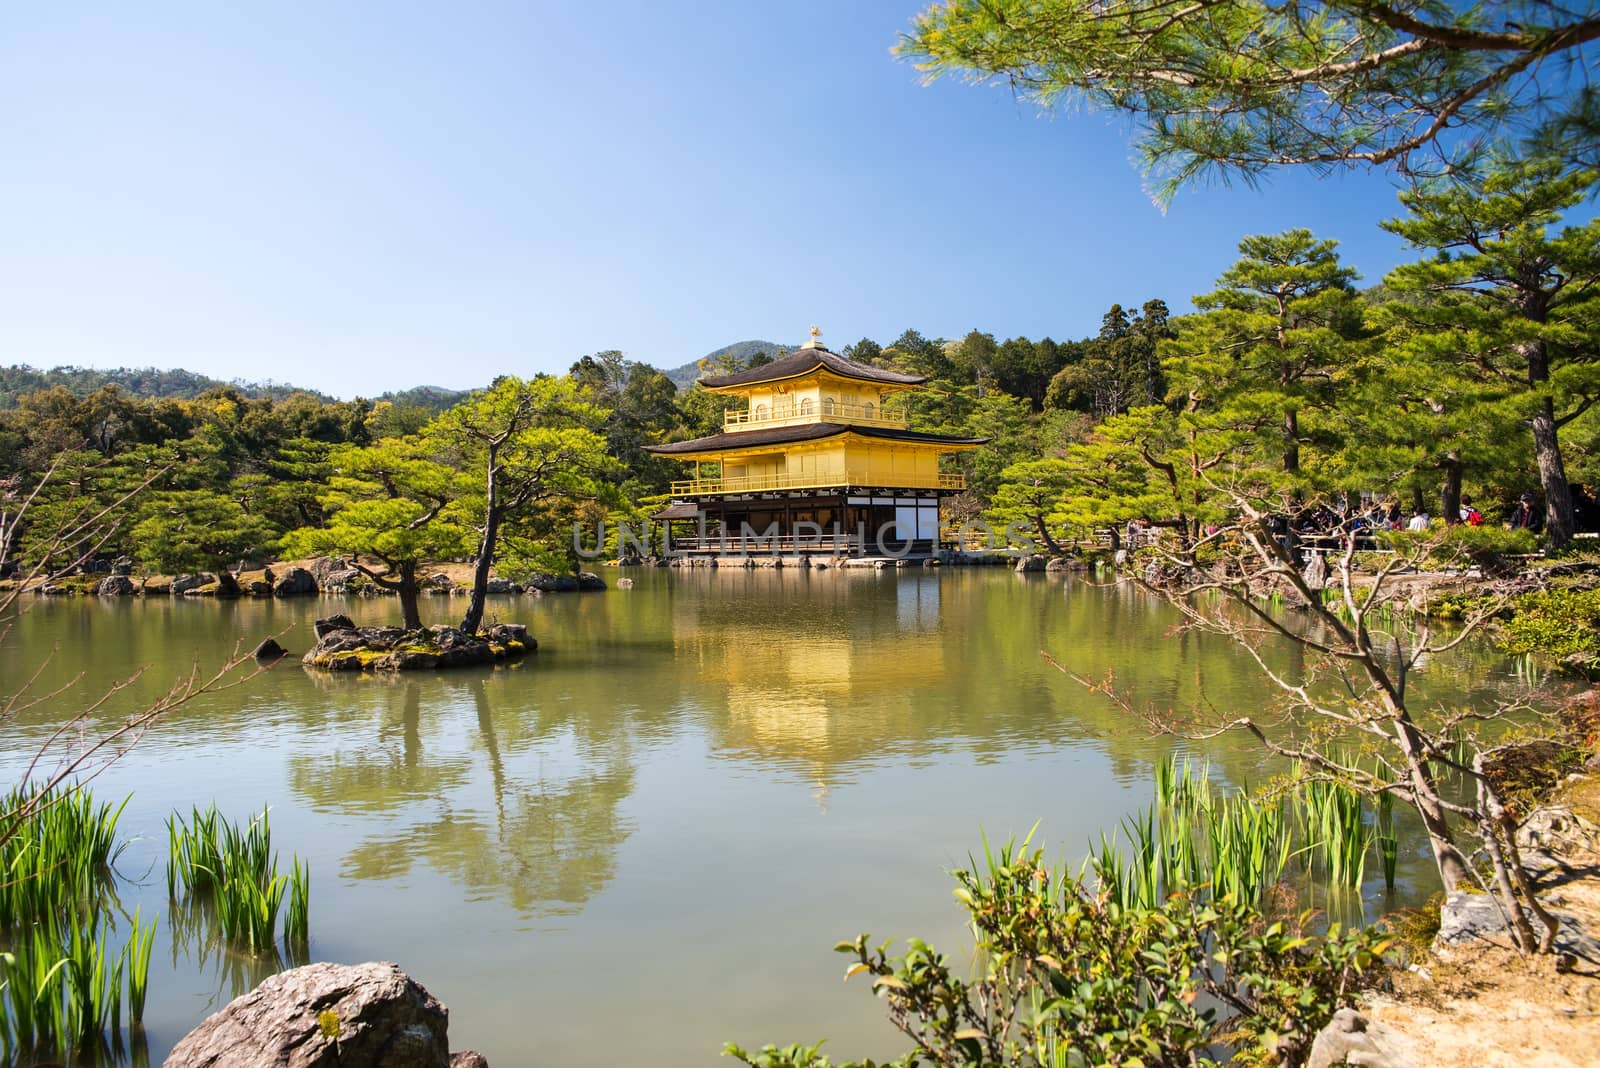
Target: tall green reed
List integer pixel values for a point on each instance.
(62, 987)
(1202, 840)
(234, 869)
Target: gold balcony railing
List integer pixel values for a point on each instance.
(761, 415)
(758, 483)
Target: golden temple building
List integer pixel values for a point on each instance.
(821, 459)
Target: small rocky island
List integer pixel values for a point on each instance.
(343, 646)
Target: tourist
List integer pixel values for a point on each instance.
(1470, 515)
(1420, 522)
(1527, 515)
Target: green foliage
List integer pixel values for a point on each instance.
(1335, 833)
(1509, 303)
(1067, 974)
(141, 382)
(536, 456)
(393, 500)
(1561, 624)
(1119, 369)
(56, 851)
(1462, 545)
(1034, 496)
(181, 531)
(1237, 88)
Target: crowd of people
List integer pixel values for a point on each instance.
(1365, 517)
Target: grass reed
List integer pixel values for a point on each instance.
(1203, 840)
(1387, 838)
(62, 987)
(297, 919)
(234, 869)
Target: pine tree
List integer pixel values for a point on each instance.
(1527, 313)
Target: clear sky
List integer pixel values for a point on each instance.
(368, 196)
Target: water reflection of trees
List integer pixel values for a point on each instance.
(513, 782)
(840, 672)
(493, 796)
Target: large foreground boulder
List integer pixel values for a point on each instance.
(1467, 917)
(326, 1016)
(1350, 1038)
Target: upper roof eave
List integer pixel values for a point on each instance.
(807, 361)
(788, 435)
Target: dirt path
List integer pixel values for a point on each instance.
(1486, 1006)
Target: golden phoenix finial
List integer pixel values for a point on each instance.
(816, 331)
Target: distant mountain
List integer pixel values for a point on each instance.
(434, 399)
(742, 351)
(145, 382)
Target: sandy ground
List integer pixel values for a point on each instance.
(1490, 1007)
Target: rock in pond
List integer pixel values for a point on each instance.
(328, 624)
(584, 581)
(116, 586)
(269, 650)
(184, 583)
(295, 582)
(352, 648)
(326, 1015)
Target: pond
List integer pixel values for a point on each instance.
(645, 840)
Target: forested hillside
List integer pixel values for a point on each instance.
(145, 382)
(1471, 372)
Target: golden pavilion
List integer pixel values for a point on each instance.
(821, 458)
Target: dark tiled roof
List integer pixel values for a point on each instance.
(804, 361)
(678, 510)
(784, 435)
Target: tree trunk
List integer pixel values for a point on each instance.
(1450, 497)
(1558, 523)
(491, 534)
(1291, 442)
(1418, 505)
(406, 588)
(1044, 535)
(1425, 797)
(480, 572)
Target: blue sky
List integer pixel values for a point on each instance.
(359, 197)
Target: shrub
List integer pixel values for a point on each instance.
(1490, 548)
(1561, 624)
(1064, 975)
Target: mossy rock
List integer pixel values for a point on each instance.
(390, 649)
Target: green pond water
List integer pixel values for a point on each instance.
(644, 840)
